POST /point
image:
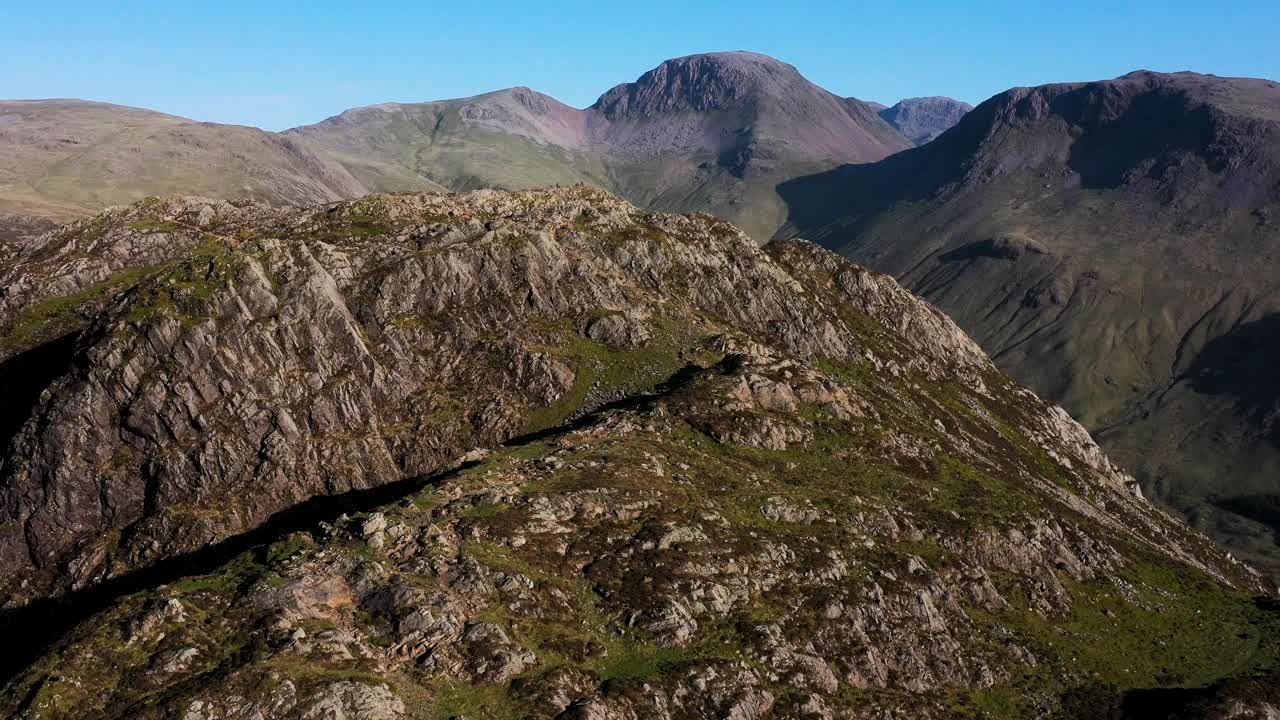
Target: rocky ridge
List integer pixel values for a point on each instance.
(632, 464)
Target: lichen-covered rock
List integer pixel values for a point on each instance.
(354, 701)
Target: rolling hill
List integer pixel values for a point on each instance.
(715, 132)
(63, 159)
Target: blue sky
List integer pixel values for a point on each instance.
(276, 65)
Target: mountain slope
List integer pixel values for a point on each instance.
(924, 118)
(713, 132)
(510, 139)
(722, 481)
(17, 229)
(718, 132)
(68, 158)
(1104, 242)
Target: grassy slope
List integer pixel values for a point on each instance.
(1138, 299)
(67, 158)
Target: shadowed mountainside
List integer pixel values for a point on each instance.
(1097, 239)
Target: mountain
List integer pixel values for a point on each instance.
(510, 139)
(17, 230)
(713, 132)
(731, 104)
(925, 118)
(64, 159)
(545, 454)
(1112, 245)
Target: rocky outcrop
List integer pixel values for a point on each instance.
(635, 567)
(242, 359)
(590, 462)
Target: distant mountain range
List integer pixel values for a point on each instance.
(1115, 246)
(715, 132)
(313, 449)
(923, 119)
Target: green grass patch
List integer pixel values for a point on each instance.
(54, 316)
(475, 702)
(605, 372)
(151, 225)
(1158, 626)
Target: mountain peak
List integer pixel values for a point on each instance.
(922, 119)
(700, 83)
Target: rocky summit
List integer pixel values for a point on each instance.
(925, 118)
(544, 454)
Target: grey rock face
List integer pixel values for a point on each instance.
(630, 566)
(925, 118)
(268, 356)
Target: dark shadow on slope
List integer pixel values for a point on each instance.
(1141, 133)
(1242, 364)
(1251, 688)
(1220, 700)
(27, 632)
(851, 194)
(631, 402)
(1262, 508)
(24, 376)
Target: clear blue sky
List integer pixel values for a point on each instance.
(280, 64)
